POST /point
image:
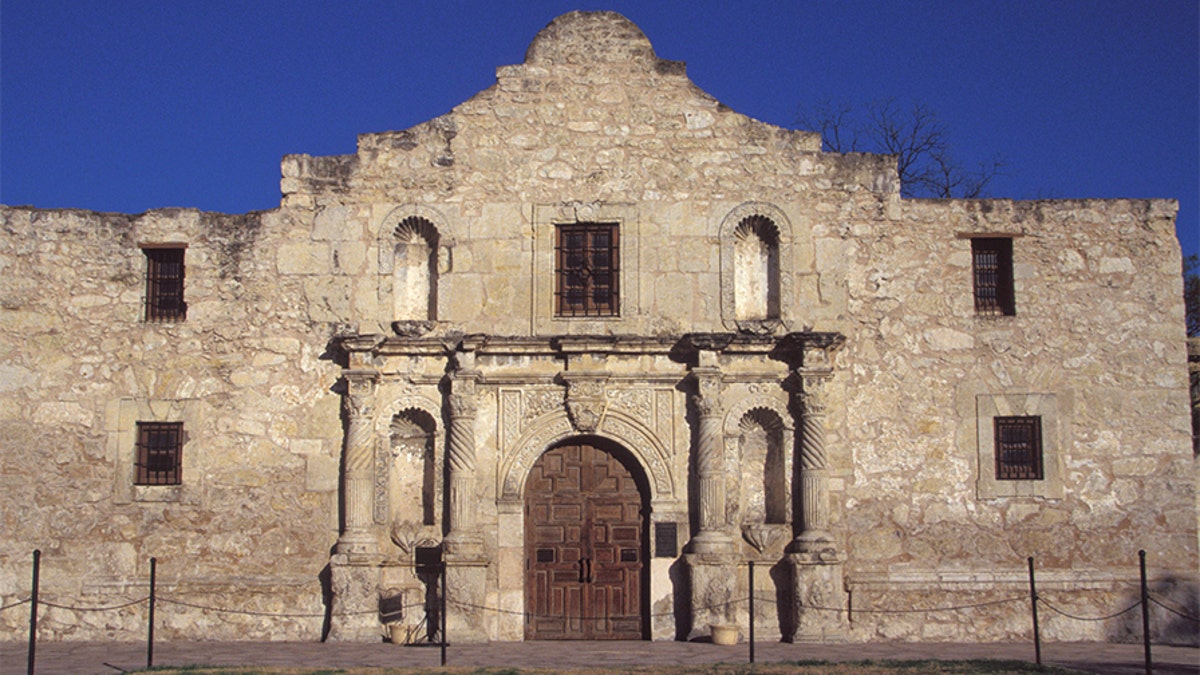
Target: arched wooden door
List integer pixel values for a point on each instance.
(584, 554)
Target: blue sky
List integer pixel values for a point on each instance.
(128, 105)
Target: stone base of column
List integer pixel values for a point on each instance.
(816, 545)
(463, 546)
(358, 545)
(355, 589)
(467, 611)
(711, 543)
(713, 593)
(819, 602)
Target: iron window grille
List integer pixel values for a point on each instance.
(992, 264)
(587, 270)
(1018, 448)
(159, 451)
(164, 285)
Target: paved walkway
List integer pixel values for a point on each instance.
(71, 658)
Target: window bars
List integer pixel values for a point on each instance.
(159, 451)
(164, 285)
(587, 270)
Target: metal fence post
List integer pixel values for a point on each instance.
(1033, 601)
(443, 609)
(150, 620)
(751, 611)
(33, 605)
(1145, 613)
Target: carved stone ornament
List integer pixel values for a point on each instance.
(707, 396)
(359, 400)
(408, 536)
(586, 401)
(462, 405)
(813, 396)
(763, 536)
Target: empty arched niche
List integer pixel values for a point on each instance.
(415, 270)
(756, 269)
(412, 479)
(765, 494)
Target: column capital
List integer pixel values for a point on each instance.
(707, 394)
(813, 395)
(359, 398)
(462, 405)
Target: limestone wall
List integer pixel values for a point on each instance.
(253, 521)
(1095, 338)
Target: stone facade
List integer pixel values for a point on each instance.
(795, 367)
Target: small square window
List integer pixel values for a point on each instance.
(586, 270)
(164, 285)
(159, 453)
(1018, 448)
(992, 267)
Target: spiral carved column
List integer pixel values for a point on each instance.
(460, 458)
(358, 480)
(710, 456)
(814, 533)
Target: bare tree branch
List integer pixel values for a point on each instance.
(916, 136)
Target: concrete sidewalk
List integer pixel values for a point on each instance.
(70, 658)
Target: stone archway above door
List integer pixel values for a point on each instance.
(641, 442)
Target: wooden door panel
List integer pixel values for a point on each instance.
(584, 526)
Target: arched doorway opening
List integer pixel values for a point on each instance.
(586, 544)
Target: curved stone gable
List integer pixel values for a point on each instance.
(579, 38)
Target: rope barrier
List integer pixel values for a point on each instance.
(93, 609)
(15, 604)
(251, 612)
(530, 615)
(725, 605)
(564, 617)
(914, 610)
(1174, 611)
(1089, 618)
(755, 597)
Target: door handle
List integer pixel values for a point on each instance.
(589, 570)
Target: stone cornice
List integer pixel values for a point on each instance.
(790, 348)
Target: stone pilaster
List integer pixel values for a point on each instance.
(358, 480)
(818, 595)
(354, 569)
(712, 568)
(462, 549)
